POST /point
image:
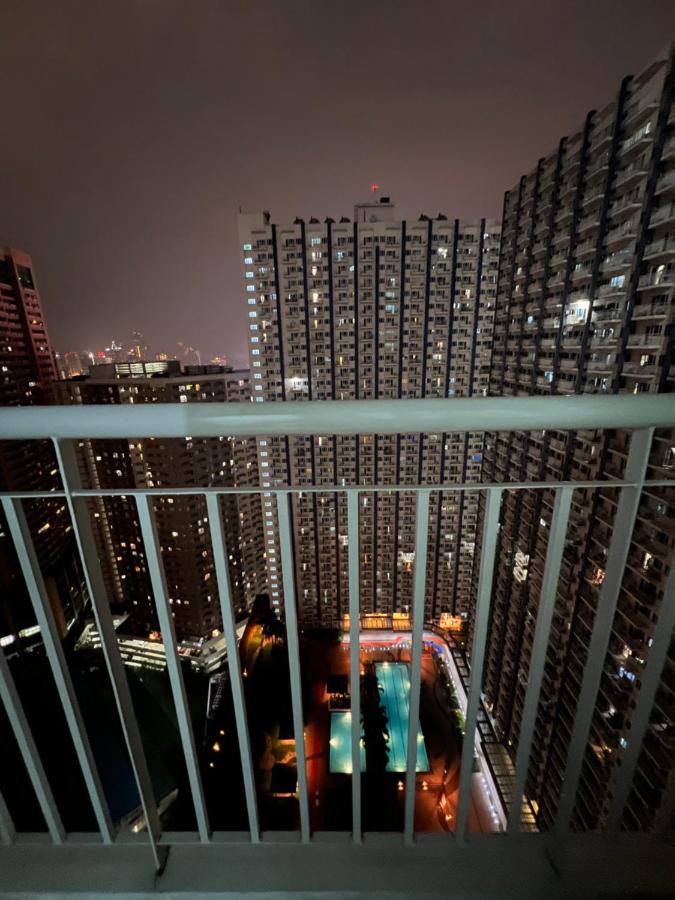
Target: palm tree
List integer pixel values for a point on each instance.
(374, 719)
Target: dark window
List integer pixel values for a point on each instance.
(5, 272)
(26, 277)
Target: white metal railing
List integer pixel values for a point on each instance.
(64, 425)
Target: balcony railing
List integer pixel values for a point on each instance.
(64, 426)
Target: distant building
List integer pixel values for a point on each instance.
(138, 349)
(181, 519)
(27, 377)
(70, 364)
(360, 309)
(188, 356)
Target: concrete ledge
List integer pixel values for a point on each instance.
(491, 866)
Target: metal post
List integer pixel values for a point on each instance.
(420, 579)
(554, 552)
(650, 681)
(284, 514)
(7, 830)
(165, 617)
(354, 658)
(29, 752)
(30, 566)
(619, 547)
(233, 662)
(487, 564)
(93, 575)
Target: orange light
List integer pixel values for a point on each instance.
(216, 747)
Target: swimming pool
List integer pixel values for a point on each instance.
(395, 682)
(340, 743)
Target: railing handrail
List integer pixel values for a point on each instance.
(430, 415)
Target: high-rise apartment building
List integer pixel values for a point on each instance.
(585, 305)
(27, 376)
(362, 309)
(72, 364)
(182, 524)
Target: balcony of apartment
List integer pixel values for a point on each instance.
(570, 163)
(604, 341)
(599, 152)
(668, 152)
(661, 278)
(563, 216)
(664, 248)
(638, 141)
(556, 279)
(587, 222)
(626, 207)
(624, 234)
(663, 215)
(630, 175)
(642, 103)
(580, 272)
(651, 310)
(665, 184)
(438, 840)
(641, 370)
(601, 363)
(616, 262)
(654, 341)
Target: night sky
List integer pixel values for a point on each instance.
(133, 131)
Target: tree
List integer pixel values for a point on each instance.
(374, 719)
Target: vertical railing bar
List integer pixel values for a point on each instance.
(288, 577)
(93, 575)
(158, 581)
(619, 547)
(30, 567)
(219, 547)
(547, 599)
(29, 752)
(7, 829)
(354, 657)
(649, 685)
(482, 614)
(419, 586)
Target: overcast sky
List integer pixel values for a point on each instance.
(133, 131)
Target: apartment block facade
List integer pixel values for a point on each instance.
(27, 377)
(585, 304)
(182, 523)
(364, 309)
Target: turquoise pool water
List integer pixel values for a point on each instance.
(395, 683)
(340, 743)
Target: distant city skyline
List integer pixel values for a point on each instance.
(151, 350)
